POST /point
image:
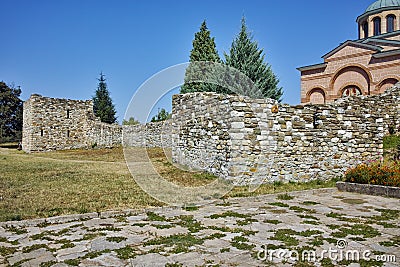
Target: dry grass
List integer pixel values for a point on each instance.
(79, 181)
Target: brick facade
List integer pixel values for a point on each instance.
(366, 66)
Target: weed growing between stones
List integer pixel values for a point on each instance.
(310, 203)
(285, 196)
(35, 247)
(191, 224)
(95, 254)
(241, 242)
(151, 216)
(116, 239)
(272, 221)
(47, 264)
(4, 251)
(16, 230)
(73, 262)
(125, 253)
(230, 214)
(279, 204)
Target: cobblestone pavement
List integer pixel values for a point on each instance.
(233, 232)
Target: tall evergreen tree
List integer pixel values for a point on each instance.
(103, 106)
(248, 58)
(204, 49)
(10, 113)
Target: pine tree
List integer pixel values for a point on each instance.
(204, 49)
(103, 106)
(248, 58)
(10, 113)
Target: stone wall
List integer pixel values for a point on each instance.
(54, 124)
(256, 140)
(57, 124)
(152, 134)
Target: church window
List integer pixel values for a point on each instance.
(377, 26)
(390, 23)
(365, 29)
(351, 90)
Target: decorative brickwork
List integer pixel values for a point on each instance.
(366, 66)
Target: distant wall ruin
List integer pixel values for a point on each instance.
(58, 124)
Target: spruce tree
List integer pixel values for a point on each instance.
(204, 49)
(10, 113)
(248, 58)
(103, 106)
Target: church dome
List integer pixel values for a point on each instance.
(383, 4)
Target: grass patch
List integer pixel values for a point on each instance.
(279, 204)
(116, 239)
(73, 262)
(178, 242)
(285, 196)
(4, 251)
(272, 221)
(230, 214)
(34, 247)
(240, 242)
(310, 203)
(95, 254)
(16, 230)
(191, 224)
(191, 208)
(151, 216)
(285, 236)
(391, 141)
(364, 230)
(301, 209)
(125, 253)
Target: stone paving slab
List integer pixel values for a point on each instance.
(256, 231)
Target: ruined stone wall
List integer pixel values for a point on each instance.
(54, 124)
(58, 124)
(253, 141)
(152, 134)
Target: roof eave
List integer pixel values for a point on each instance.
(313, 67)
(386, 53)
(367, 46)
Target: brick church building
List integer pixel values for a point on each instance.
(366, 66)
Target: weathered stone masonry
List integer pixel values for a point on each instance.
(55, 124)
(243, 140)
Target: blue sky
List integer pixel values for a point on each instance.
(58, 48)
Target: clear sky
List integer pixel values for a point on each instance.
(57, 48)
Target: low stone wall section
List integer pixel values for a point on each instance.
(257, 140)
(152, 134)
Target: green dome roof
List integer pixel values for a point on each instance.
(382, 4)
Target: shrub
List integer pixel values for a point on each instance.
(375, 173)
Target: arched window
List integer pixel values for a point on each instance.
(390, 19)
(351, 90)
(377, 26)
(365, 29)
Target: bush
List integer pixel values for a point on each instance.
(375, 173)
